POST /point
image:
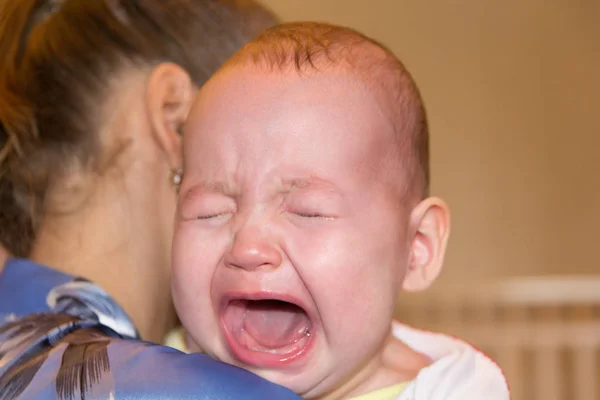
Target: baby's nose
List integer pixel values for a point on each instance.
(252, 249)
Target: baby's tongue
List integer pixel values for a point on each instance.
(274, 324)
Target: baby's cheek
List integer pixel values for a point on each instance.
(188, 263)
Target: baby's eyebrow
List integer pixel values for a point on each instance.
(203, 188)
(310, 182)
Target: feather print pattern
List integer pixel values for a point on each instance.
(84, 371)
(85, 366)
(18, 378)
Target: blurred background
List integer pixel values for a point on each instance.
(512, 90)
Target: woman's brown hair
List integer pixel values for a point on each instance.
(58, 59)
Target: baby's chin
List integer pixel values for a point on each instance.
(313, 380)
(305, 380)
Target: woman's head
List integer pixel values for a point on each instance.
(63, 64)
(92, 97)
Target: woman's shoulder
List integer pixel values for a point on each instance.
(59, 356)
(25, 286)
(64, 337)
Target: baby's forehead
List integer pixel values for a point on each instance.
(331, 118)
(334, 92)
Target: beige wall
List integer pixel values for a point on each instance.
(513, 91)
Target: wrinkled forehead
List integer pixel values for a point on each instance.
(312, 118)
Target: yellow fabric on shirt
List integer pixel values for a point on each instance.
(176, 340)
(387, 393)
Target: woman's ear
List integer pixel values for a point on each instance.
(169, 98)
(430, 223)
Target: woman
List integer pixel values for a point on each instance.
(92, 96)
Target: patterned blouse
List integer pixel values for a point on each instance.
(65, 338)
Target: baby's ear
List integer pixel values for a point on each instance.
(430, 224)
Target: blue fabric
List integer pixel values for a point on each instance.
(65, 338)
(24, 287)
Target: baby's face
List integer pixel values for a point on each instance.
(291, 240)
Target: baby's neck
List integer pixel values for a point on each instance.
(395, 363)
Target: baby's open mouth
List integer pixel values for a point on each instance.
(276, 331)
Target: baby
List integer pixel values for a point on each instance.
(304, 211)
